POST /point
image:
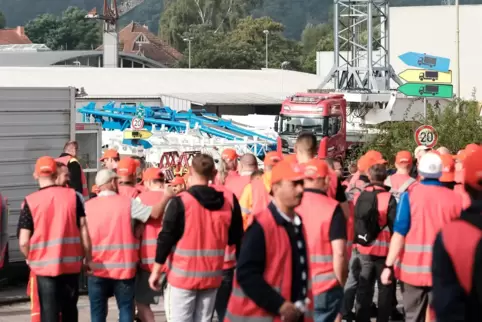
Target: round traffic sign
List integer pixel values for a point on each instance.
(426, 135)
(137, 123)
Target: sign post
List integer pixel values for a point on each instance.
(426, 135)
(435, 80)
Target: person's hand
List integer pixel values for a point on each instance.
(169, 192)
(289, 312)
(386, 277)
(154, 280)
(88, 266)
(139, 230)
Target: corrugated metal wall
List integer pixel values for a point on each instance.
(177, 104)
(33, 122)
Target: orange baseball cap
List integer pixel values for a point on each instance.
(316, 168)
(374, 155)
(272, 158)
(110, 153)
(366, 162)
(229, 154)
(176, 181)
(472, 147)
(404, 157)
(45, 166)
(126, 167)
(285, 170)
(473, 169)
(448, 168)
(152, 174)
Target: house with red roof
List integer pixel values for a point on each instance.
(14, 36)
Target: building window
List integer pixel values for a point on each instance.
(142, 39)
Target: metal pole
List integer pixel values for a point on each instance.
(266, 50)
(189, 44)
(457, 58)
(425, 109)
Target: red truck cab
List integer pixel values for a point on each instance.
(321, 113)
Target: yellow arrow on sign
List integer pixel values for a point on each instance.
(426, 76)
(137, 135)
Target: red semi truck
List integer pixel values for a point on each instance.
(321, 113)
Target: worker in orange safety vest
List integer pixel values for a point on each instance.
(78, 180)
(110, 158)
(198, 224)
(401, 181)
(255, 196)
(457, 255)
(459, 172)
(54, 237)
(246, 166)
(153, 180)
(325, 226)
(126, 172)
(273, 280)
(115, 249)
(228, 166)
(421, 213)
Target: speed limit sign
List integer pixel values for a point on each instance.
(426, 135)
(137, 123)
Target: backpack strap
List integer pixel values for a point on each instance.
(406, 184)
(383, 199)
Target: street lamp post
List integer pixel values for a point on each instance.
(457, 57)
(189, 40)
(266, 33)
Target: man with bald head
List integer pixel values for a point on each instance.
(443, 150)
(246, 166)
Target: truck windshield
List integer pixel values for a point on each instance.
(297, 124)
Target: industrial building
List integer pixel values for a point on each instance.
(411, 30)
(233, 92)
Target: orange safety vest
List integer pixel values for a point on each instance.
(260, 196)
(151, 231)
(66, 160)
(237, 184)
(197, 261)
(277, 273)
(462, 250)
(333, 184)
(128, 191)
(115, 249)
(230, 252)
(426, 219)
(460, 190)
(55, 247)
(382, 243)
(317, 212)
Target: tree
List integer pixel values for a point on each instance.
(3, 20)
(243, 47)
(315, 38)
(455, 130)
(70, 31)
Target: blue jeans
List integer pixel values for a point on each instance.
(328, 304)
(100, 289)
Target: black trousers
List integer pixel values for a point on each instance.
(371, 270)
(58, 294)
(224, 293)
(416, 300)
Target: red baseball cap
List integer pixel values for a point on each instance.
(366, 162)
(404, 157)
(272, 158)
(126, 167)
(152, 174)
(229, 154)
(374, 155)
(448, 168)
(473, 169)
(177, 181)
(316, 168)
(110, 153)
(285, 170)
(45, 166)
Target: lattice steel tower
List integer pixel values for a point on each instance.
(361, 47)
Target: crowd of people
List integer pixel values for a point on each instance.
(296, 241)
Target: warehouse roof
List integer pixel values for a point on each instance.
(49, 58)
(199, 85)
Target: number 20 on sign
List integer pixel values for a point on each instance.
(426, 135)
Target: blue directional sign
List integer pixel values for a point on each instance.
(440, 64)
(145, 144)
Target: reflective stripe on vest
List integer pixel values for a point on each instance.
(151, 231)
(278, 274)
(382, 243)
(115, 249)
(462, 250)
(431, 207)
(197, 261)
(55, 247)
(317, 212)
